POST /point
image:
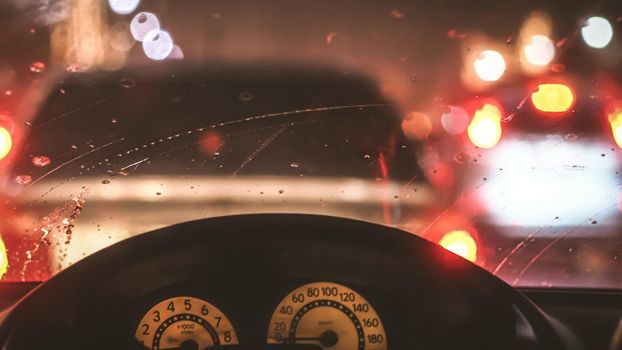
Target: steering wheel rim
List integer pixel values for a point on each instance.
(97, 272)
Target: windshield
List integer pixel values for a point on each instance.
(491, 129)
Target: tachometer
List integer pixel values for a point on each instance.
(185, 322)
(329, 315)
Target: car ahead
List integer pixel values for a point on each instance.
(296, 175)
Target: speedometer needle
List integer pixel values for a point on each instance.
(327, 339)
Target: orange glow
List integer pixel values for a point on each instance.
(417, 126)
(6, 142)
(537, 49)
(553, 98)
(4, 260)
(485, 128)
(615, 120)
(460, 243)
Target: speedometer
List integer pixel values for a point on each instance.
(185, 322)
(330, 315)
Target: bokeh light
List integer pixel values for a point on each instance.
(538, 185)
(4, 259)
(119, 37)
(489, 65)
(615, 121)
(460, 242)
(539, 50)
(142, 24)
(455, 121)
(158, 44)
(6, 142)
(417, 126)
(553, 98)
(123, 7)
(485, 128)
(536, 23)
(597, 32)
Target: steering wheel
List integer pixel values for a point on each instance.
(426, 296)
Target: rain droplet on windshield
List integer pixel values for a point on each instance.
(454, 34)
(246, 96)
(41, 161)
(23, 179)
(294, 165)
(397, 14)
(37, 67)
(105, 182)
(558, 68)
(462, 158)
(331, 37)
(128, 83)
(73, 68)
(571, 137)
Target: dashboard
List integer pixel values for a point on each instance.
(277, 281)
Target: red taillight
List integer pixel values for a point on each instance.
(210, 143)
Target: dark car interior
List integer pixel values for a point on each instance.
(341, 175)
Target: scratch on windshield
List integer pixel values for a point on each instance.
(259, 149)
(148, 145)
(96, 149)
(557, 239)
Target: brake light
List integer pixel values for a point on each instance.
(553, 98)
(4, 259)
(615, 121)
(210, 143)
(460, 242)
(485, 128)
(6, 142)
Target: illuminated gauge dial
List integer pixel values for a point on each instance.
(185, 322)
(329, 315)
